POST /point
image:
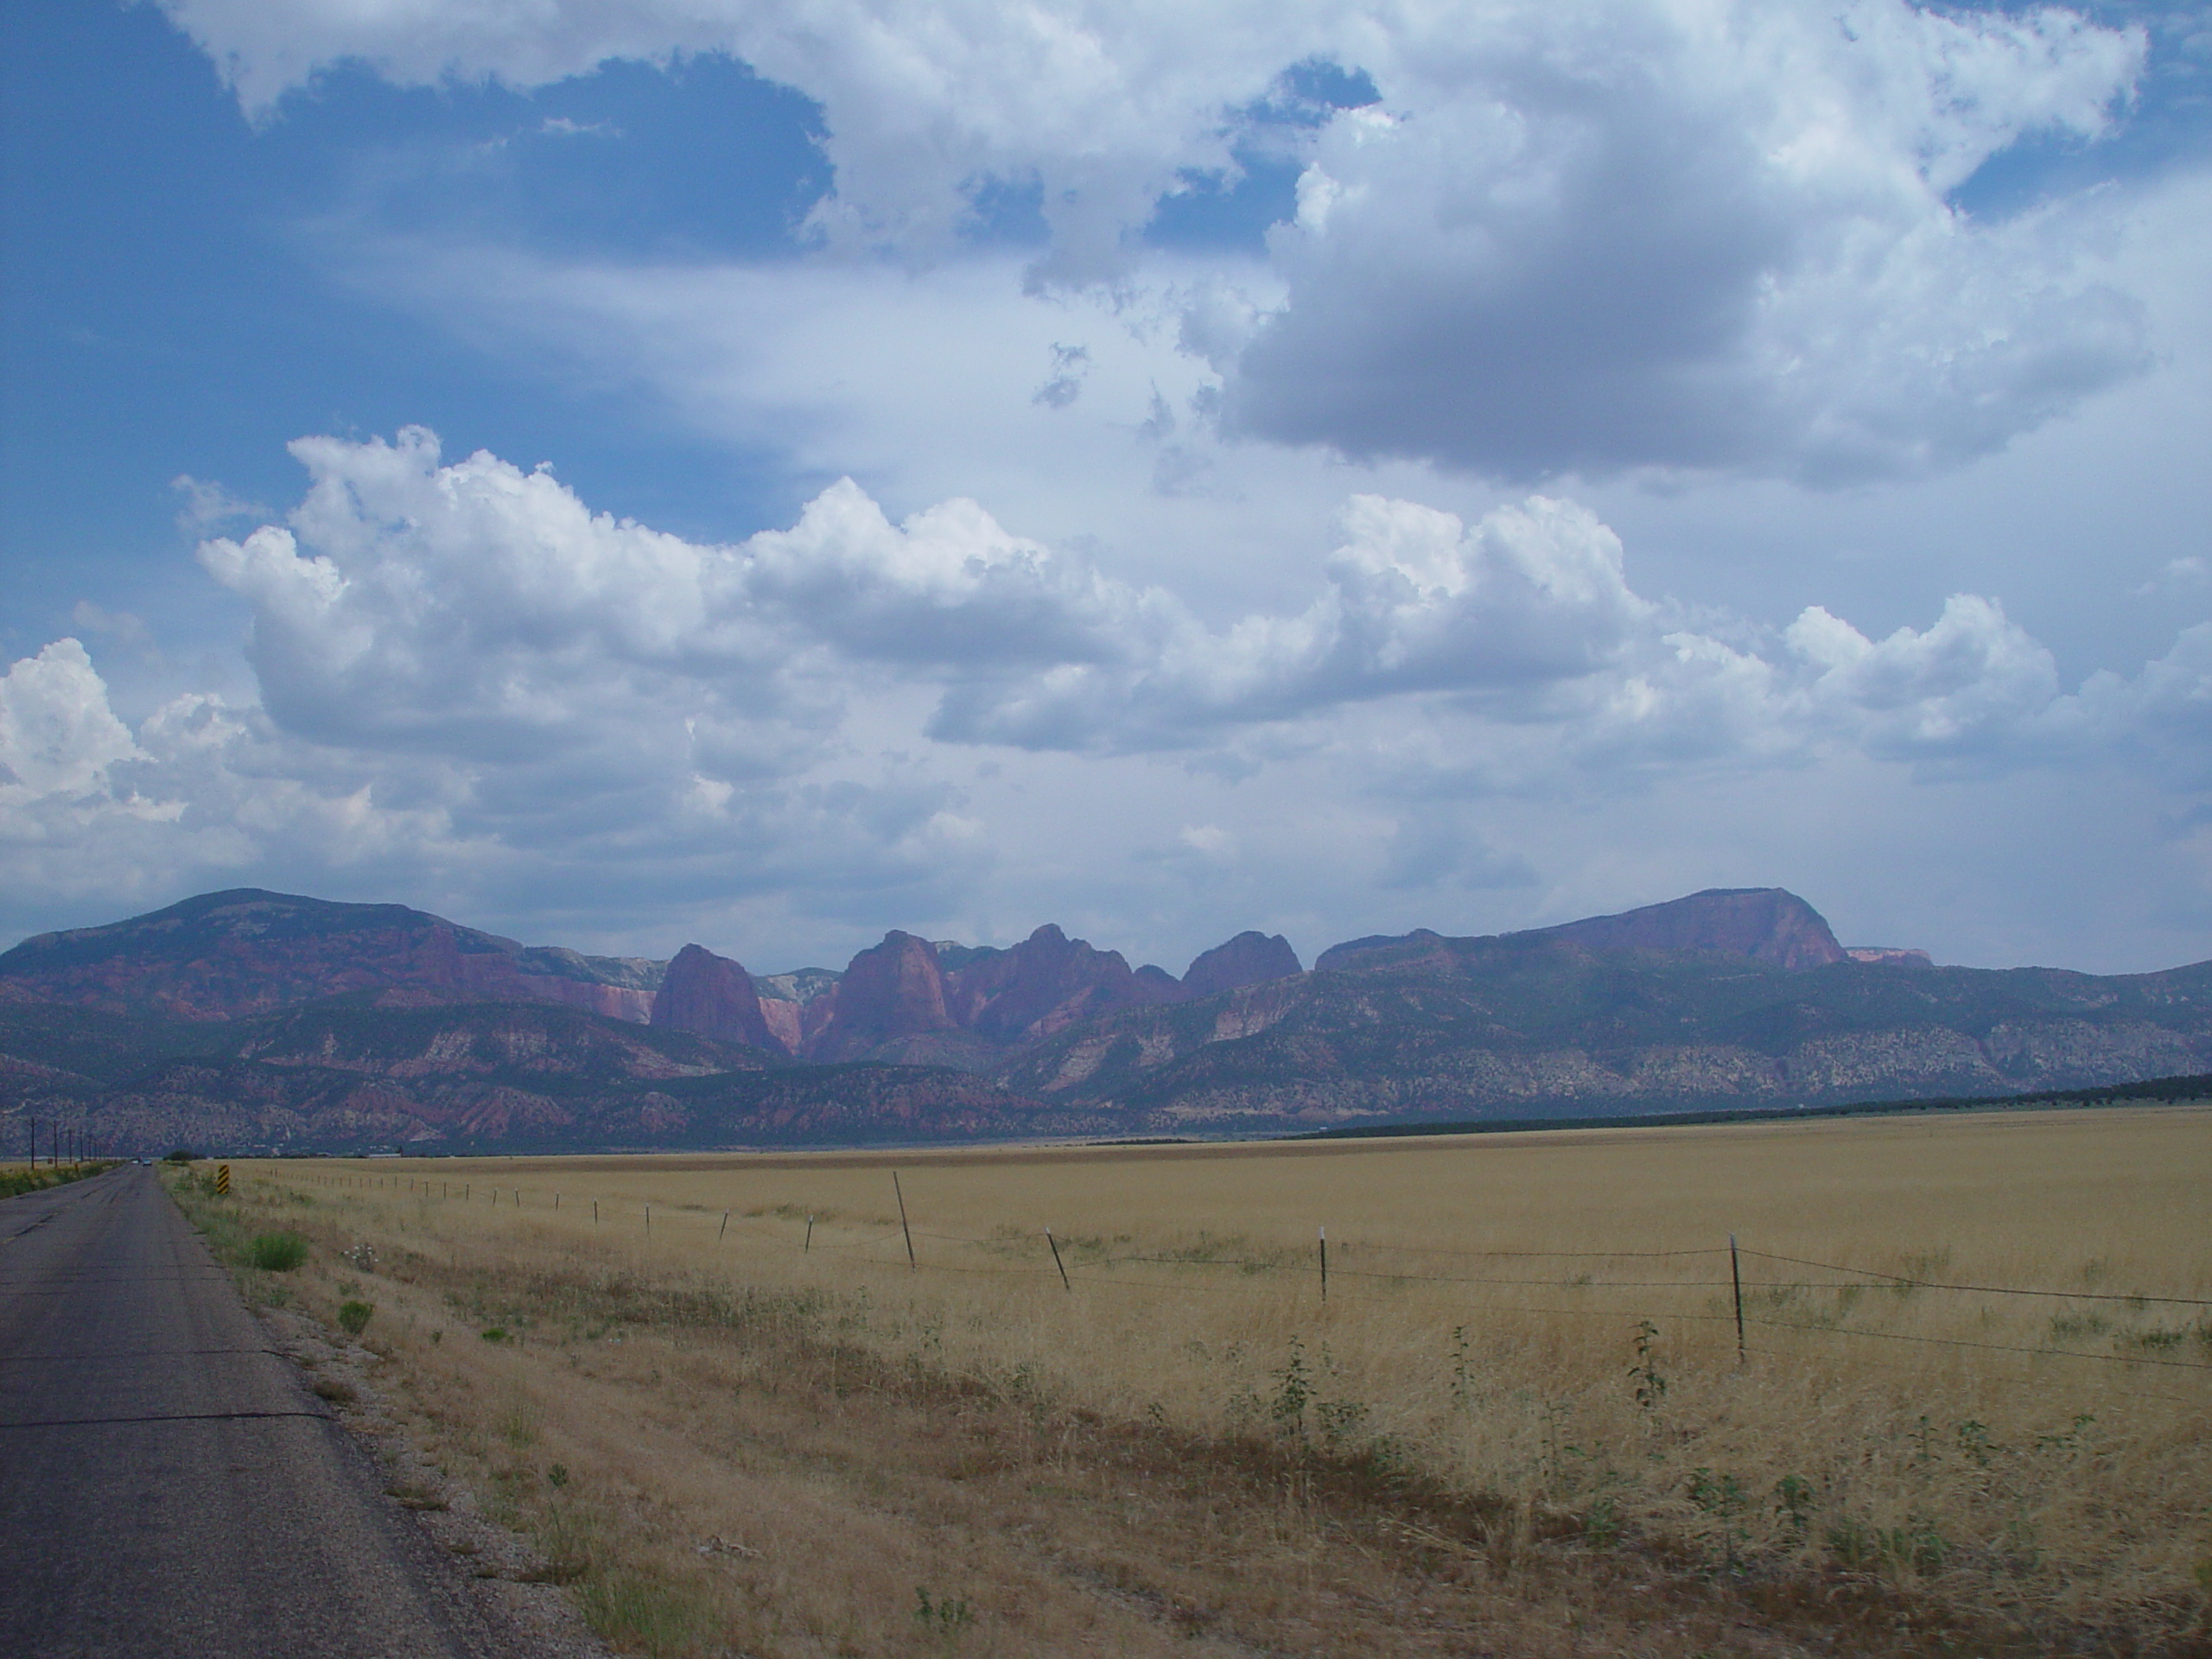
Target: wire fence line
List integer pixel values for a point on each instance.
(1907, 1282)
(1082, 1270)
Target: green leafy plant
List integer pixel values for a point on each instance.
(1722, 1497)
(354, 1317)
(1463, 1382)
(1650, 1386)
(277, 1252)
(1293, 1388)
(1975, 1442)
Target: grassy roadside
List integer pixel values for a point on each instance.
(714, 1467)
(14, 1182)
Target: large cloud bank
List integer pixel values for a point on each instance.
(1582, 236)
(464, 669)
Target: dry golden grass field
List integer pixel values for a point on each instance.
(1971, 1414)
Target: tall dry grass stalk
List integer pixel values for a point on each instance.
(1542, 1325)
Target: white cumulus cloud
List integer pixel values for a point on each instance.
(471, 683)
(1571, 236)
(474, 613)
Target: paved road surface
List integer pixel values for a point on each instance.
(169, 1487)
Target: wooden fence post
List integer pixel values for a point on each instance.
(725, 1231)
(1057, 1263)
(912, 1265)
(1325, 1264)
(1736, 1276)
(807, 1248)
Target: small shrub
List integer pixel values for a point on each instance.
(519, 1423)
(2066, 1326)
(277, 1252)
(944, 1615)
(1974, 1444)
(1601, 1524)
(1340, 1421)
(181, 1155)
(1793, 1501)
(354, 1317)
(1723, 1497)
(497, 1333)
(1918, 1547)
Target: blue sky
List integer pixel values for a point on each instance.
(1331, 468)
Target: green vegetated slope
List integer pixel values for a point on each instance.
(1530, 1026)
(92, 1046)
(353, 1072)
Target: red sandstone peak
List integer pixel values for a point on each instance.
(1044, 984)
(1250, 958)
(893, 989)
(712, 996)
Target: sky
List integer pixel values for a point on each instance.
(756, 474)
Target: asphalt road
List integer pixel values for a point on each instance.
(169, 1487)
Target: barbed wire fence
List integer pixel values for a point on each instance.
(1744, 1294)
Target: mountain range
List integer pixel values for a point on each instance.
(252, 1020)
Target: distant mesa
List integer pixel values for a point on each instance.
(231, 955)
(1767, 924)
(1250, 958)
